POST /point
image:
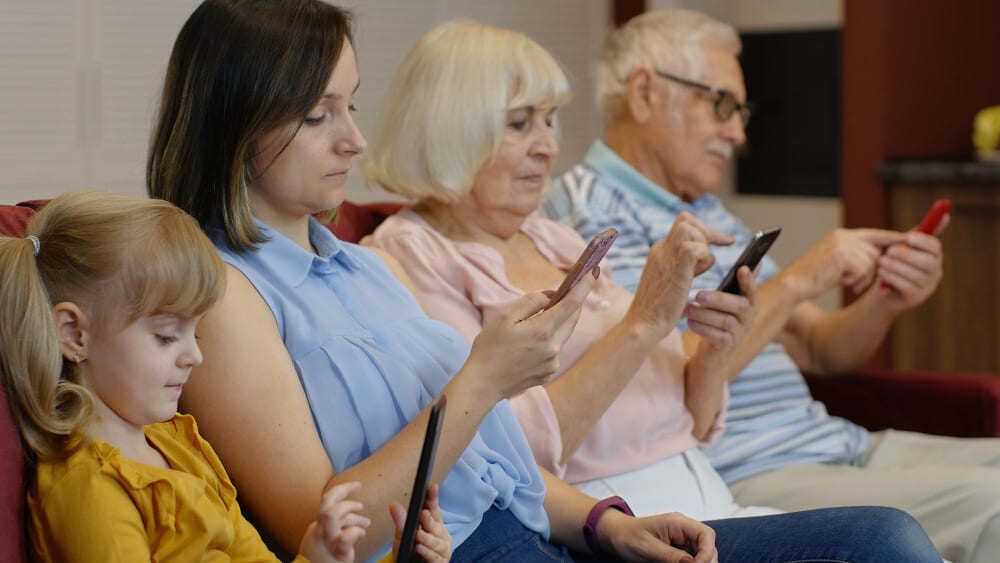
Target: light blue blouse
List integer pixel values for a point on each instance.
(370, 360)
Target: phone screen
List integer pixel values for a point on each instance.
(407, 542)
(751, 256)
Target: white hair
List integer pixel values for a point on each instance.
(667, 40)
(444, 114)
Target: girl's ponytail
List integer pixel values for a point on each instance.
(51, 407)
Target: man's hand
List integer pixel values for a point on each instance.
(912, 270)
(669, 537)
(843, 258)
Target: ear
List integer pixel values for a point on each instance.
(639, 95)
(73, 330)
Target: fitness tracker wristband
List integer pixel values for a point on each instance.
(590, 528)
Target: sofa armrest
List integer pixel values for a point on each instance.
(944, 403)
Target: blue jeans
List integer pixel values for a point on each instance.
(855, 534)
(851, 533)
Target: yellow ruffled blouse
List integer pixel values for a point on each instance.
(98, 505)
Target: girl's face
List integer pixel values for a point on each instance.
(310, 174)
(138, 371)
(516, 180)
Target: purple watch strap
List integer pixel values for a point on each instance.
(590, 528)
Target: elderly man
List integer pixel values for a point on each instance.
(673, 97)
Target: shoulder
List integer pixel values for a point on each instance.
(405, 233)
(80, 471)
(241, 298)
(89, 508)
(94, 480)
(582, 191)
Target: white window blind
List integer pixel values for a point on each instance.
(80, 79)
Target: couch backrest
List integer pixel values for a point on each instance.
(12, 530)
(354, 221)
(13, 219)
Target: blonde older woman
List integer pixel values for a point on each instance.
(468, 130)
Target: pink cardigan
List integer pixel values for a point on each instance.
(464, 284)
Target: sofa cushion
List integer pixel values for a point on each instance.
(12, 540)
(13, 220)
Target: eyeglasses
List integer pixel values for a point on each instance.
(725, 101)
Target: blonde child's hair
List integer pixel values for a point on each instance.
(118, 258)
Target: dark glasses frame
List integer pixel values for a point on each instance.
(726, 103)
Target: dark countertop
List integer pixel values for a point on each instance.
(939, 171)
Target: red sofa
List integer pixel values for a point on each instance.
(953, 404)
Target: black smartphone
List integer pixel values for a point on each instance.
(590, 257)
(407, 541)
(750, 257)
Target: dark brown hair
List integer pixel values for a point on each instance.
(239, 68)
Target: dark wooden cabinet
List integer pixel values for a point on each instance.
(958, 328)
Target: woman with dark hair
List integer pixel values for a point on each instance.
(319, 364)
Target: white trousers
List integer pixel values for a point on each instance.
(684, 483)
(950, 485)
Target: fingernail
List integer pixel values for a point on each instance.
(596, 271)
(701, 297)
(687, 310)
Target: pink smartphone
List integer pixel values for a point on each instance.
(590, 257)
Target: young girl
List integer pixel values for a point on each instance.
(99, 305)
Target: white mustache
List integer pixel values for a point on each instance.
(723, 149)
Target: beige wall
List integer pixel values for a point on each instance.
(81, 79)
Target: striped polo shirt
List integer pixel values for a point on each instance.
(772, 421)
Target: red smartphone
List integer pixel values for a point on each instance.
(590, 257)
(931, 220)
(934, 215)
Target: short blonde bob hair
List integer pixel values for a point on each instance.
(667, 40)
(444, 114)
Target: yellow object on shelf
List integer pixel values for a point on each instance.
(986, 133)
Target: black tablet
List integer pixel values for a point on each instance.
(407, 542)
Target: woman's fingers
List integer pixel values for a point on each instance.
(570, 304)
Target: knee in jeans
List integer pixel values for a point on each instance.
(903, 532)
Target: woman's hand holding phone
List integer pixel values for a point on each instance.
(671, 265)
(519, 348)
(722, 319)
